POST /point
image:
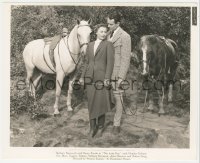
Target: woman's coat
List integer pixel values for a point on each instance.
(99, 66)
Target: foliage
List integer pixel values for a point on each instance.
(21, 102)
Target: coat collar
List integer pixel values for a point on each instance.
(98, 48)
(117, 35)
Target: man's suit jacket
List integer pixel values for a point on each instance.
(100, 65)
(122, 44)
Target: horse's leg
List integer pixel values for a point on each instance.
(29, 80)
(37, 82)
(161, 100)
(150, 107)
(59, 82)
(33, 82)
(170, 93)
(69, 95)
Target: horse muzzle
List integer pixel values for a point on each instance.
(83, 48)
(144, 73)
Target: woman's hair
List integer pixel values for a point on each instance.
(96, 28)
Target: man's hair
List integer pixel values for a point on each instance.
(100, 25)
(116, 16)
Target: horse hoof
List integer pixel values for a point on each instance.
(150, 108)
(161, 113)
(69, 109)
(57, 115)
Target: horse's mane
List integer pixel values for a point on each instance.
(151, 38)
(173, 43)
(74, 30)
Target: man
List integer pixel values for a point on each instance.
(54, 43)
(122, 44)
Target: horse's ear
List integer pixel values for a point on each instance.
(90, 21)
(78, 21)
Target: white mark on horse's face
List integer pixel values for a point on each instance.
(83, 33)
(144, 59)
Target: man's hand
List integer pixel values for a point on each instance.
(81, 81)
(107, 82)
(119, 82)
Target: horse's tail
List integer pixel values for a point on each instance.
(27, 56)
(173, 44)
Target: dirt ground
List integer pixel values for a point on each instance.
(141, 130)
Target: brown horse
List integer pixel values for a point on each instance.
(159, 63)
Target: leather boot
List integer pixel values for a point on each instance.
(92, 128)
(101, 122)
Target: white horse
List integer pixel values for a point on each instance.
(66, 55)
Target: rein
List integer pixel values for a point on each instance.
(70, 52)
(81, 45)
(46, 61)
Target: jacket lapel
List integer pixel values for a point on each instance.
(92, 48)
(116, 35)
(99, 47)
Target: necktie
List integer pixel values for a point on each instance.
(111, 34)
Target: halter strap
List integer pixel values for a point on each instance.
(46, 61)
(81, 45)
(86, 43)
(76, 63)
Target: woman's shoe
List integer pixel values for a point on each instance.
(99, 132)
(116, 130)
(93, 129)
(90, 133)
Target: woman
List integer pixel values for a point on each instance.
(96, 77)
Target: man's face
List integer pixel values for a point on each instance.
(112, 25)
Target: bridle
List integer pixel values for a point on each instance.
(85, 43)
(70, 52)
(81, 45)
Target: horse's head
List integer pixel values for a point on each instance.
(83, 34)
(157, 55)
(146, 53)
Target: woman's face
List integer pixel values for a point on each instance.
(101, 33)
